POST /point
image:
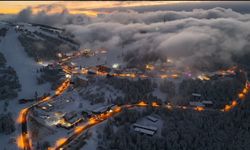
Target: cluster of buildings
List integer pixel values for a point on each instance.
(71, 119)
(86, 52)
(48, 114)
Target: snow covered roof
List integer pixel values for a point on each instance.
(100, 109)
(196, 104)
(196, 94)
(70, 115)
(151, 118)
(82, 77)
(145, 131)
(152, 128)
(207, 102)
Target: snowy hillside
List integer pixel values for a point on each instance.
(24, 66)
(24, 44)
(20, 79)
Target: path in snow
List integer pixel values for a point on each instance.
(24, 66)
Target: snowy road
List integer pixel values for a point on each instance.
(24, 66)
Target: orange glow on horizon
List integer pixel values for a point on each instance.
(87, 8)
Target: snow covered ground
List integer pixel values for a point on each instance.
(92, 142)
(108, 59)
(24, 66)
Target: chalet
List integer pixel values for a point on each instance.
(144, 129)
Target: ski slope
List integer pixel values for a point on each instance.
(24, 66)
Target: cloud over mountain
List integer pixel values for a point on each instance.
(198, 37)
(54, 15)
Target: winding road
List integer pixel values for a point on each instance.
(25, 143)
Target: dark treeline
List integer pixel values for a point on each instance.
(38, 49)
(46, 49)
(3, 31)
(9, 85)
(182, 130)
(219, 91)
(134, 90)
(7, 124)
(169, 88)
(52, 76)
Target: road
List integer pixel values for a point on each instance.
(93, 121)
(24, 142)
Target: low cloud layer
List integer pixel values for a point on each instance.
(206, 37)
(197, 37)
(54, 15)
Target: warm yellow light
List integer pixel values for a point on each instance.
(19, 142)
(198, 108)
(154, 104)
(21, 118)
(142, 103)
